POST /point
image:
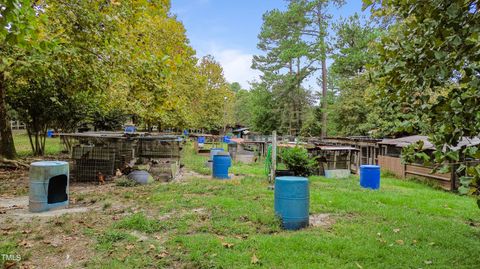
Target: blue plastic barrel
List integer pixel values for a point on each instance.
(215, 151)
(130, 129)
(370, 176)
(49, 133)
(201, 139)
(292, 200)
(221, 164)
(48, 188)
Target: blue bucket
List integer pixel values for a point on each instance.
(49, 133)
(292, 201)
(226, 139)
(201, 139)
(370, 177)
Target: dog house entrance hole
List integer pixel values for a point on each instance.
(57, 189)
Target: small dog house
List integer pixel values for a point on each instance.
(49, 181)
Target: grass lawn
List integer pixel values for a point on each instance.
(203, 223)
(22, 144)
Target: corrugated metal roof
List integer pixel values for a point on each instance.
(336, 148)
(408, 140)
(240, 130)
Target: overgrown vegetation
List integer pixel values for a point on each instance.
(297, 160)
(98, 63)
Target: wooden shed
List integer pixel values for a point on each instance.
(367, 148)
(337, 161)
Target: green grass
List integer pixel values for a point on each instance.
(223, 224)
(53, 146)
(206, 223)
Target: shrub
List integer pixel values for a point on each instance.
(297, 160)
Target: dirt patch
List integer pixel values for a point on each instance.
(16, 209)
(323, 220)
(186, 174)
(13, 182)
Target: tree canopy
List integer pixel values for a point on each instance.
(66, 63)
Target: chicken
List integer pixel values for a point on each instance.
(100, 178)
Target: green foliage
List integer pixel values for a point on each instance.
(111, 120)
(428, 69)
(294, 43)
(217, 99)
(264, 115)
(297, 160)
(348, 75)
(18, 34)
(101, 61)
(243, 108)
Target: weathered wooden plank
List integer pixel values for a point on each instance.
(427, 172)
(393, 165)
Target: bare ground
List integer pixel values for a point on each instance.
(56, 239)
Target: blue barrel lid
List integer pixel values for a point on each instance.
(221, 149)
(49, 163)
(369, 166)
(292, 178)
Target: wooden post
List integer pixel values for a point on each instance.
(368, 155)
(453, 177)
(274, 156)
(358, 154)
(335, 160)
(349, 166)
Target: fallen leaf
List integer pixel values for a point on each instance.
(152, 247)
(161, 255)
(414, 241)
(428, 262)
(227, 245)
(130, 247)
(358, 265)
(254, 259)
(396, 230)
(400, 242)
(431, 243)
(379, 234)
(9, 264)
(25, 244)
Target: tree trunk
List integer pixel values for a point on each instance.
(7, 147)
(324, 98)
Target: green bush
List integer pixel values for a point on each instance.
(297, 160)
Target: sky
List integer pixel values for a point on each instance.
(228, 30)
